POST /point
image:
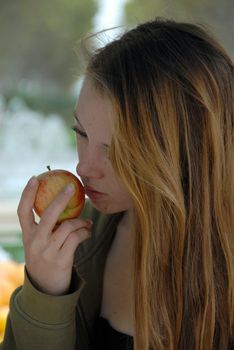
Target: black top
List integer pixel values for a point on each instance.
(107, 338)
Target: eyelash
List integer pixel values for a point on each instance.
(78, 131)
(83, 134)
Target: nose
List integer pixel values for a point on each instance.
(89, 169)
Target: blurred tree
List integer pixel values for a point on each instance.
(217, 15)
(37, 40)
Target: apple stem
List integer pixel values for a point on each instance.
(48, 167)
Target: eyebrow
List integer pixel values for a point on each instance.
(78, 121)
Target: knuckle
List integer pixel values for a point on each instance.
(48, 211)
(67, 225)
(83, 234)
(19, 210)
(83, 224)
(74, 225)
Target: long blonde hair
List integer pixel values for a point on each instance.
(172, 90)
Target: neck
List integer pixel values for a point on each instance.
(127, 220)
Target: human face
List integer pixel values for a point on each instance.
(94, 125)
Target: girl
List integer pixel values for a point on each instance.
(155, 136)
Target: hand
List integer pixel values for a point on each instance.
(49, 249)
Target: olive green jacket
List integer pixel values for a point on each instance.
(38, 321)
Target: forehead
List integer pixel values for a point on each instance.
(93, 108)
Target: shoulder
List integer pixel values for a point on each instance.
(103, 229)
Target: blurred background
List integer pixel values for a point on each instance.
(40, 78)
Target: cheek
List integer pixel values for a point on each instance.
(118, 187)
(82, 152)
(79, 147)
(120, 192)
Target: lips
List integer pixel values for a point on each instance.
(93, 194)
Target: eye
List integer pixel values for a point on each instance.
(78, 131)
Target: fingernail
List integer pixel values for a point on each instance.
(32, 181)
(89, 222)
(69, 189)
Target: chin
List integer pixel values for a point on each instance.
(104, 209)
(108, 208)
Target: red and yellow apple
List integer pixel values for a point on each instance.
(51, 183)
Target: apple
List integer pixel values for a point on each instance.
(51, 183)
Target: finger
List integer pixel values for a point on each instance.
(59, 236)
(24, 211)
(56, 207)
(73, 240)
